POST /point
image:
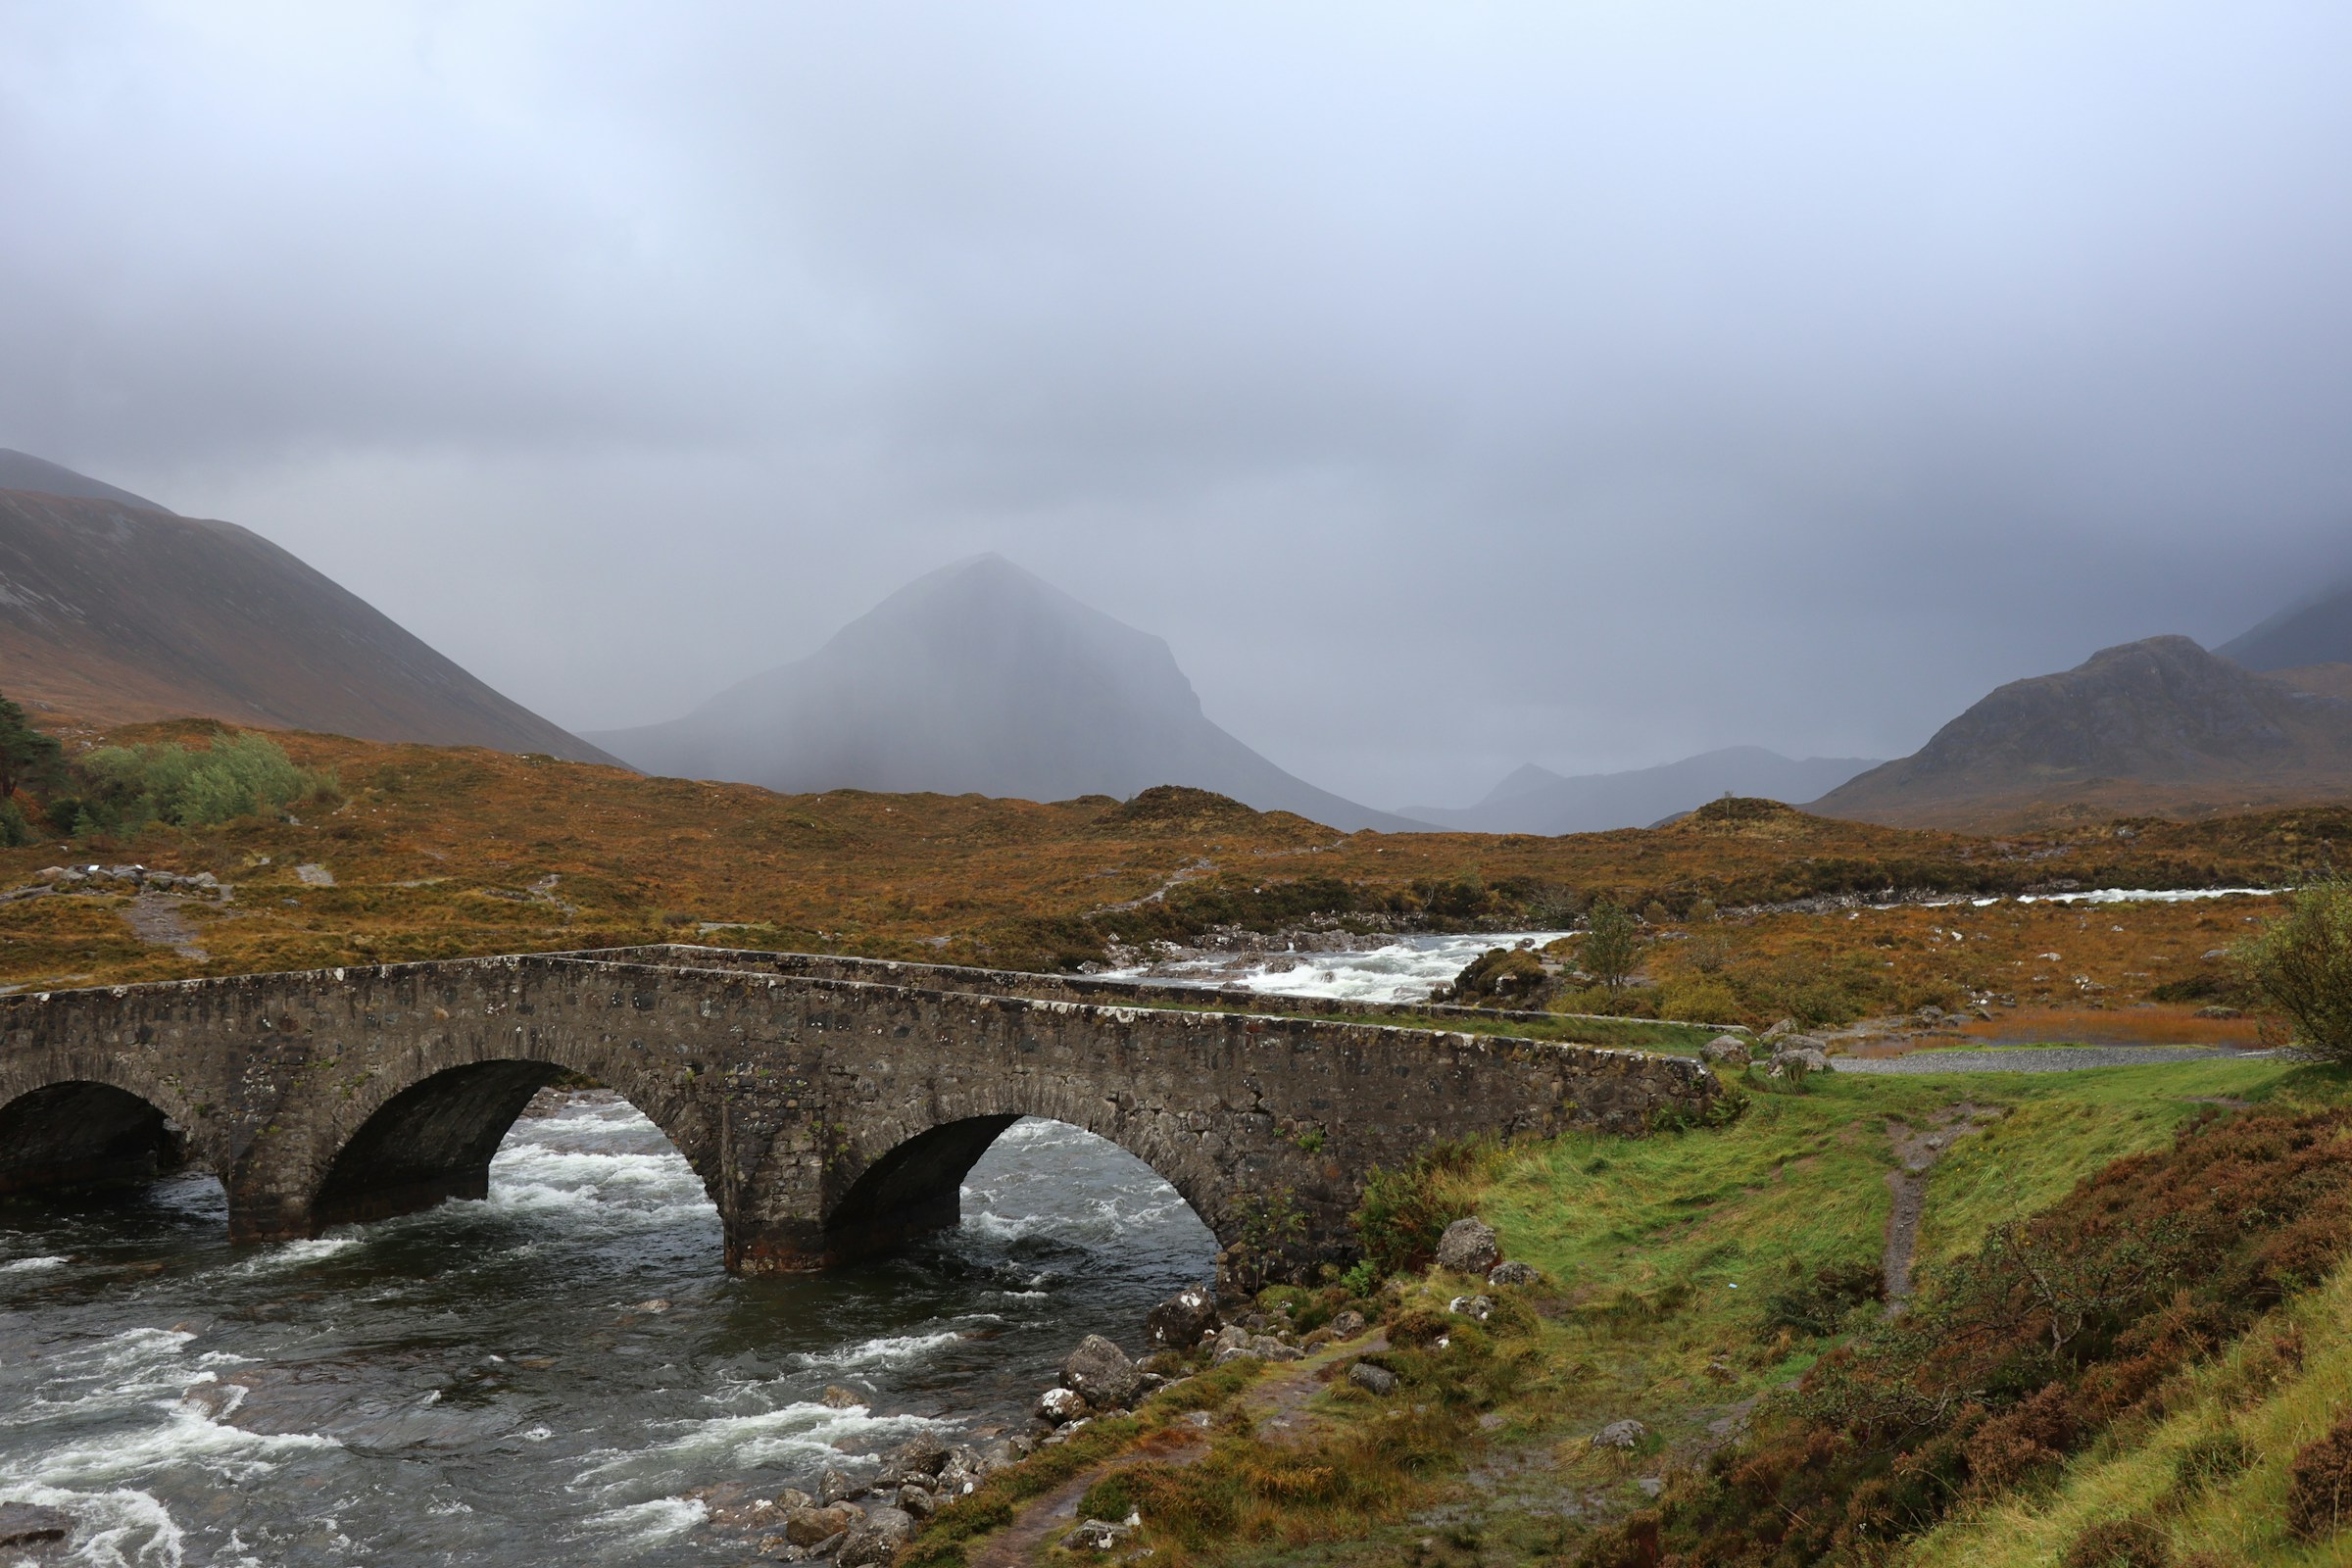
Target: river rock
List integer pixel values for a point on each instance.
(837, 1397)
(24, 1524)
(1620, 1435)
(1725, 1050)
(1348, 1324)
(1468, 1247)
(1513, 1274)
(1100, 1534)
(876, 1539)
(1060, 1405)
(1183, 1320)
(811, 1527)
(1804, 1058)
(1101, 1373)
(921, 1454)
(1372, 1378)
(833, 1486)
(918, 1504)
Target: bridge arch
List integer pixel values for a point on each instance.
(898, 1175)
(406, 1141)
(90, 1127)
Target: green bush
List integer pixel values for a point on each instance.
(127, 787)
(1405, 1211)
(1821, 1305)
(15, 831)
(2302, 965)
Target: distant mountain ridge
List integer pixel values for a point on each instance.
(2317, 632)
(978, 678)
(116, 610)
(1536, 800)
(2157, 726)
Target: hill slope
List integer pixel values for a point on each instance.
(1536, 800)
(2319, 632)
(118, 612)
(978, 678)
(2157, 726)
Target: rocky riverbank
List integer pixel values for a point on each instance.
(866, 1522)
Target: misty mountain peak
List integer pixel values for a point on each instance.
(980, 676)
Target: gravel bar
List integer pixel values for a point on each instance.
(2050, 1058)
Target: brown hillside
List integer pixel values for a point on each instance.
(2159, 728)
(440, 852)
(115, 613)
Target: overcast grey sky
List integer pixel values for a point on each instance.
(1451, 386)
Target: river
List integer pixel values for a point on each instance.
(561, 1373)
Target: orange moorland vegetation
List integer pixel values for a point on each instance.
(442, 851)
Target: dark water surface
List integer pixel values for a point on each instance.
(547, 1377)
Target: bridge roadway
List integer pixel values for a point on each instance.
(830, 1106)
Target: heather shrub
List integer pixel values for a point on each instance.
(2212, 1461)
(2119, 1544)
(2012, 1359)
(2319, 1493)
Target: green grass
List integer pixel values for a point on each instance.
(1644, 1240)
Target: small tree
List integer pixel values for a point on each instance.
(28, 756)
(1612, 947)
(2302, 965)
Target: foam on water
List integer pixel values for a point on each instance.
(1405, 969)
(120, 1528)
(889, 1351)
(646, 1524)
(30, 1265)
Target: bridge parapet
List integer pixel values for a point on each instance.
(832, 1107)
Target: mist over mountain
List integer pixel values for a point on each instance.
(2157, 726)
(112, 608)
(1536, 800)
(978, 678)
(2317, 632)
(22, 470)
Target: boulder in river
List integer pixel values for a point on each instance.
(876, 1539)
(1061, 1405)
(810, 1527)
(26, 1524)
(1468, 1247)
(1183, 1320)
(1101, 1372)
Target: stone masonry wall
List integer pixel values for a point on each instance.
(826, 1115)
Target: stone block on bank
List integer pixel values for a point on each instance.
(1468, 1247)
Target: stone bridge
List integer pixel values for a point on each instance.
(831, 1106)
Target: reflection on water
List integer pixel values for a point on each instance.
(552, 1374)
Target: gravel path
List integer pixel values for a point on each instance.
(2047, 1058)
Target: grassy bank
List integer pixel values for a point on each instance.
(1688, 1276)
